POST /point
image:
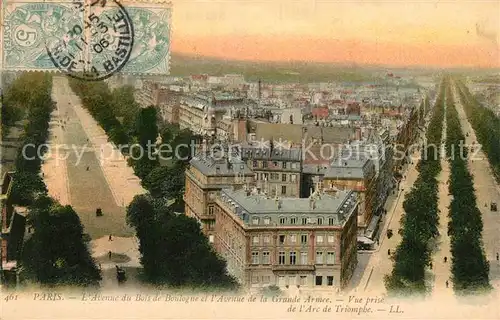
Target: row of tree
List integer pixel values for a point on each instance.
(174, 251)
(486, 126)
(419, 223)
(470, 267)
(55, 253)
(108, 108)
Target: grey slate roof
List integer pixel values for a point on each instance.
(245, 206)
(347, 169)
(220, 164)
(277, 154)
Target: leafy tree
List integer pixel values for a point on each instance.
(27, 186)
(56, 253)
(173, 249)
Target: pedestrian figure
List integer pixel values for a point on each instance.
(110, 238)
(378, 244)
(445, 259)
(43, 175)
(88, 168)
(447, 283)
(430, 265)
(109, 254)
(497, 256)
(388, 252)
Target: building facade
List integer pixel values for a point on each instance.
(13, 225)
(356, 174)
(277, 170)
(205, 177)
(288, 242)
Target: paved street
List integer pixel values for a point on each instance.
(372, 272)
(441, 271)
(487, 191)
(92, 176)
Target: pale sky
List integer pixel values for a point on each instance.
(369, 31)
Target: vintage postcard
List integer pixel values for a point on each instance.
(246, 159)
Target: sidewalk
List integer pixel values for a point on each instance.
(487, 191)
(442, 270)
(380, 264)
(54, 168)
(120, 177)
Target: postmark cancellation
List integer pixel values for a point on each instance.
(91, 39)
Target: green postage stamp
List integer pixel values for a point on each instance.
(93, 39)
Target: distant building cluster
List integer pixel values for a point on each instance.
(300, 173)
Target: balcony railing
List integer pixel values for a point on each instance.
(294, 267)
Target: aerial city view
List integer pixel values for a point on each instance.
(251, 148)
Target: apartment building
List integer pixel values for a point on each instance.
(303, 242)
(277, 170)
(358, 174)
(203, 113)
(205, 177)
(13, 223)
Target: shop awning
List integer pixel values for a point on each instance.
(365, 240)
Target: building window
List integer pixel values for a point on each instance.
(255, 164)
(281, 257)
(331, 221)
(320, 221)
(283, 189)
(211, 238)
(266, 279)
(267, 239)
(293, 238)
(211, 210)
(274, 176)
(255, 279)
(293, 220)
(319, 280)
(303, 258)
(293, 257)
(255, 240)
(329, 280)
(331, 239)
(255, 220)
(275, 163)
(255, 258)
(319, 257)
(283, 177)
(284, 165)
(304, 221)
(264, 164)
(282, 239)
(282, 220)
(267, 221)
(330, 258)
(211, 225)
(265, 257)
(293, 177)
(319, 239)
(303, 280)
(303, 239)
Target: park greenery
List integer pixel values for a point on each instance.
(419, 223)
(174, 251)
(486, 126)
(470, 267)
(55, 252)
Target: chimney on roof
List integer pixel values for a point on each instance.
(312, 204)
